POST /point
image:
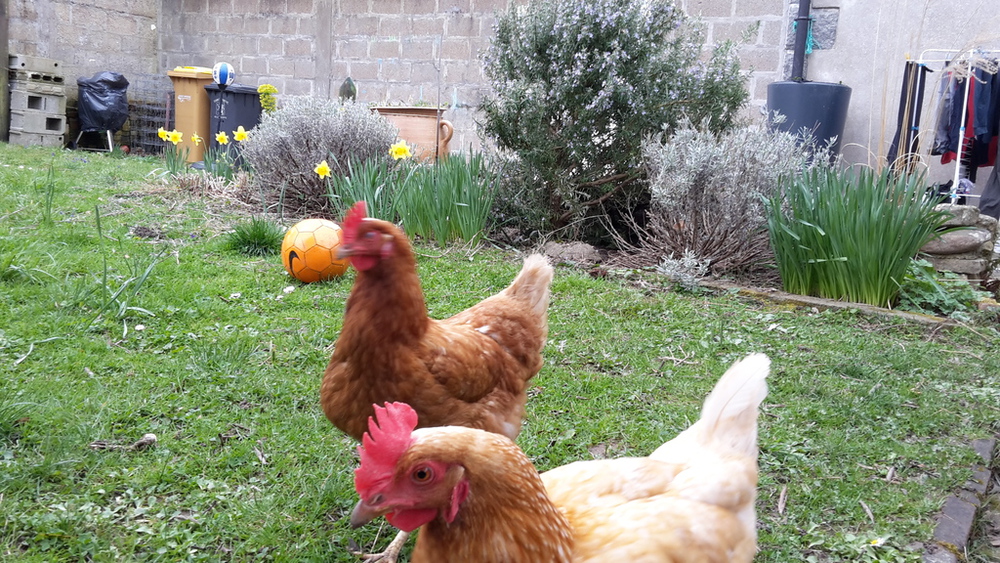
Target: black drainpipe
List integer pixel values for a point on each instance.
(801, 34)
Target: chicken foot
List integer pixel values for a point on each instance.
(391, 553)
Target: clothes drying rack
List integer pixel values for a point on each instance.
(967, 60)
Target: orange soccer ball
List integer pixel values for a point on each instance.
(309, 250)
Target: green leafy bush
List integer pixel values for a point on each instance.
(708, 191)
(925, 290)
(578, 84)
(285, 147)
(850, 234)
(519, 214)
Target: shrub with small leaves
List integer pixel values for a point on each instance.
(684, 271)
(578, 84)
(708, 191)
(285, 147)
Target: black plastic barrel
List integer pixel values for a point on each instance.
(230, 107)
(820, 107)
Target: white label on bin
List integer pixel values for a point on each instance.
(183, 98)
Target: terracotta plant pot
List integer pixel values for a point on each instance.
(422, 128)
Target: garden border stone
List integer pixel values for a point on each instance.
(778, 296)
(958, 514)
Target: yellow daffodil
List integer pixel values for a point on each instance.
(196, 139)
(240, 134)
(222, 138)
(175, 136)
(400, 150)
(162, 133)
(323, 169)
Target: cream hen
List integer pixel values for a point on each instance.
(476, 496)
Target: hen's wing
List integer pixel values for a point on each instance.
(487, 353)
(691, 500)
(640, 509)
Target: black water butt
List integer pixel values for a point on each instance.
(820, 107)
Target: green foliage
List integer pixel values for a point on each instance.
(925, 290)
(373, 181)
(850, 234)
(519, 214)
(708, 191)
(444, 201)
(219, 162)
(286, 146)
(256, 237)
(449, 200)
(121, 301)
(578, 84)
(48, 188)
(176, 160)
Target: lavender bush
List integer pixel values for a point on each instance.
(285, 147)
(578, 84)
(708, 193)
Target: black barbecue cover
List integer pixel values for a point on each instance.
(103, 103)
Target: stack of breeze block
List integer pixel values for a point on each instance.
(37, 101)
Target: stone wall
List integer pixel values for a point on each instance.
(969, 251)
(760, 24)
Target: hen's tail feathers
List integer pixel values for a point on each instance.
(532, 284)
(728, 422)
(730, 412)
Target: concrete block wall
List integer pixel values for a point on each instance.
(760, 25)
(87, 36)
(396, 51)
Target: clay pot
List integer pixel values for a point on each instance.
(422, 128)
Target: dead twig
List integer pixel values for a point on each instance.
(147, 441)
(684, 359)
(868, 511)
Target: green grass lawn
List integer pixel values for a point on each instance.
(163, 330)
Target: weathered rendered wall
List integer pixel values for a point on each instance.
(873, 42)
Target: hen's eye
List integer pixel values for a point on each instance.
(422, 474)
(370, 235)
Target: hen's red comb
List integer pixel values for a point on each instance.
(383, 444)
(354, 216)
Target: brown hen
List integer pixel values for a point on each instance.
(468, 370)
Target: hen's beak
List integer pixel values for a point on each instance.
(344, 251)
(364, 513)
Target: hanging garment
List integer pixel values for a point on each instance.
(989, 202)
(947, 89)
(955, 133)
(911, 99)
